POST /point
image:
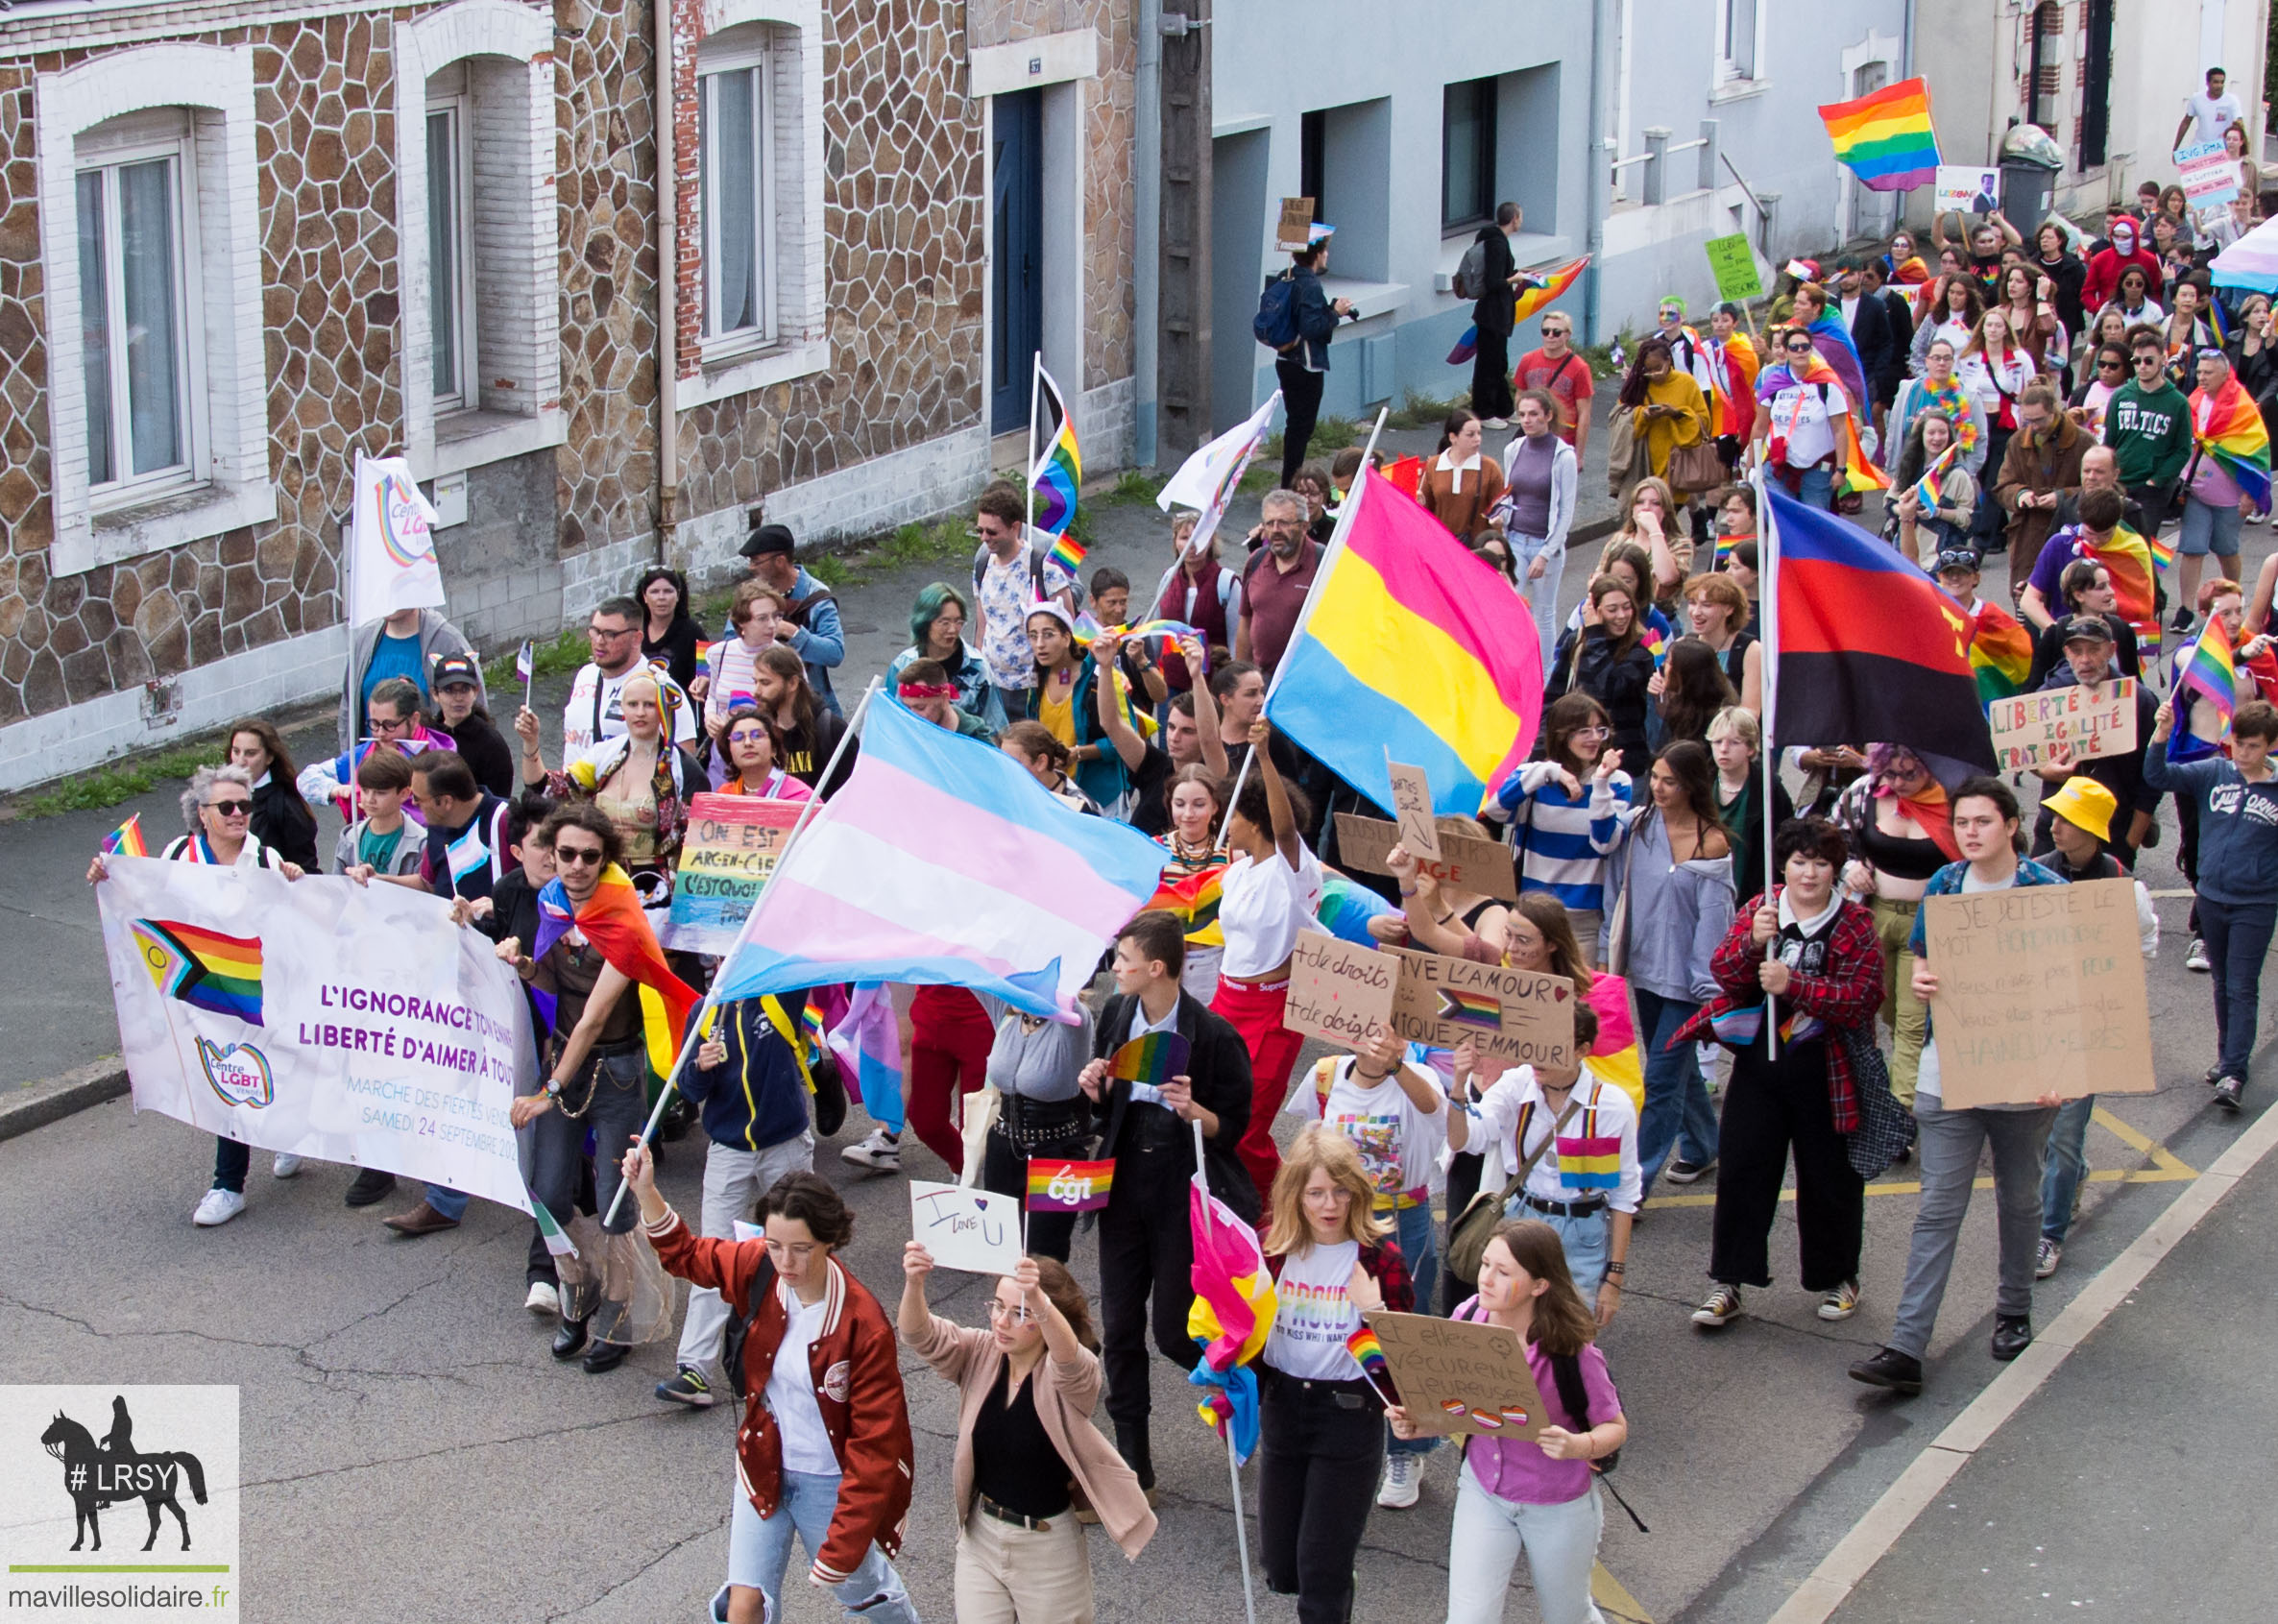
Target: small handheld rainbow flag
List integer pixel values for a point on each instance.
(1482, 1011)
(1345, 910)
(125, 840)
(1930, 489)
(1368, 1352)
(1065, 1186)
(1886, 139)
(1154, 1060)
(1058, 470)
(2162, 553)
(1067, 552)
(2001, 653)
(2210, 668)
(1195, 899)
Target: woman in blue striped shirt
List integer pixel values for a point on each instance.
(1565, 813)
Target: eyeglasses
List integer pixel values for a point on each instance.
(1017, 1314)
(747, 735)
(576, 857)
(1591, 733)
(390, 724)
(230, 808)
(608, 634)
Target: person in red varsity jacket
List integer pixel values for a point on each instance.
(824, 1449)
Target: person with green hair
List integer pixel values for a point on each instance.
(937, 621)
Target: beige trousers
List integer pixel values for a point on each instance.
(1008, 1575)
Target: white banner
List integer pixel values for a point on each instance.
(391, 544)
(348, 1023)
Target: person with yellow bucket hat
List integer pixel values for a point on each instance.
(2083, 811)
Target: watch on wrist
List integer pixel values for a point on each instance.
(553, 1088)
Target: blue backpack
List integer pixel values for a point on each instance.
(1275, 326)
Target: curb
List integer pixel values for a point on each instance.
(52, 1099)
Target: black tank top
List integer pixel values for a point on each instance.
(1900, 859)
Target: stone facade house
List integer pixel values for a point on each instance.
(241, 242)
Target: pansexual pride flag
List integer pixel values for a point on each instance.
(205, 969)
(1410, 641)
(941, 862)
(1590, 1160)
(1885, 138)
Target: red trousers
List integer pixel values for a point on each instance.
(950, 1037)
(1255, 1012)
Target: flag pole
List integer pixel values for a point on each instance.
(1346, 511)
(1028, 468)
(1250, 1600)
(695, 1027)
(1768, 593)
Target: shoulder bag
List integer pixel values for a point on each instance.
(1468, 1235)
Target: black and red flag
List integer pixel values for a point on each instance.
(1864, 646)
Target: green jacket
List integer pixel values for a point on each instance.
(2148, 431)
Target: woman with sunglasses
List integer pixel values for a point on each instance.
(1797, 435)
(1028, 1460)
(217, 808)
(2107, 372)
(1900, 828)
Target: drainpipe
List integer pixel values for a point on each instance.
(1147, 193)
(1597, 170)
(667, 286)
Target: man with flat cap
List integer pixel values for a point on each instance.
(810, 623)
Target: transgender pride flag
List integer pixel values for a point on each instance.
(943, 863)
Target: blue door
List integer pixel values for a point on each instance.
(1016, 276)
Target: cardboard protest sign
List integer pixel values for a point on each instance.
(2040, 991)
(1338, 989)
(2077, 723)
(1516, 1017)
(1412, 808)
(2209, 175)
(965, 1228)
(730, 852)
(1460, 1376)
(1466, 862)
(1295, 228)
(1967, 188)
(1732, 264)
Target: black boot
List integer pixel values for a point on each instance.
(1131, 1442)
(370, 1186)
(570, 1340)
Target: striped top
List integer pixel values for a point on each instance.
(1562, 841)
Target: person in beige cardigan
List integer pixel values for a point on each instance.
(1029, 1457)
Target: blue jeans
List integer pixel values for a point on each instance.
(1678, 1115)
(1419, 1249)
(451, 1202)
(1586, 1241)
(760, 1551)
(1816, 487)
(2237, 938)
(2068, 1165)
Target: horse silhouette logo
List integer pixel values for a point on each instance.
(106, 1474)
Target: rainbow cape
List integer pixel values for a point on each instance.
(1885, 138)
(125, 840)
(205, 969)
(2001, 653)
(1859, 473)
(1058, 471)
(1194, 900)
(1066, 1186)
(1551, 288)
(2229, 428)
(613, 921)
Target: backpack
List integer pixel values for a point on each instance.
(740, 1327)
(1565, 1374)
(1275, 325)
(1470, 273)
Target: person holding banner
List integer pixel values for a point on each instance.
(1824, 978)
(1539, 1496)
(1027, 1450)
(217, 808)
(1985, 825)
(2088, 662)
(1319, 1416)
(824, 1450)
(282, 818)
(2235, 875)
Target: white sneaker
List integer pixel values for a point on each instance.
(287, 1166)
(1402, 1483)
(1841, 1304)
(543, 1299)
(217, 1208)
(2197, 958)
(880, 1152)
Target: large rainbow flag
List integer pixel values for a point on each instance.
(612, 920)
(2001, 653)
(205, 969)
(2229, 428)
(1410, 641)
(1059, 470)
(1886, 137)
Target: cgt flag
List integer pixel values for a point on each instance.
(1864, 646)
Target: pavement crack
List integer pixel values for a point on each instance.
(713, 1527)
(448, 1449)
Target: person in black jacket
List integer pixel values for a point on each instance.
(669, 632)
(1493, 316)
(1306, 363)
(280, 819)
(1145, 1243)
(457, 683)
(1898, 315)
(1609, 661)
(1868, 318)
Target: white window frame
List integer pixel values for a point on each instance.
(143, 139)
(204, 92)
(459, 110)
(1729, 73)
(753, 56)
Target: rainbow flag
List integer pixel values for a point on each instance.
(2229, 428)
(1194, 900)
(2162, 553)
(1065, 1186)
(125, 840)
(1885, 138)
(205, 969)
(1930, 489)
(1482, 1011)
(2001, 653)
(1155, 1058)
(1058, 473)
(1410, 643)
(813, 1031)
(1068, 553)
(2210, 668)
(613, 921)
(1551, 288)
(1406, 475)
(1368, 1352)
(1590, 1160)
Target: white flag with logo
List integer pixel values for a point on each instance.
(391, 544)
(1206, 480)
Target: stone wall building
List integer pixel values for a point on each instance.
(241, 242)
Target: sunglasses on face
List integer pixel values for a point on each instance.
(230, 808)
(576, 857)
(2107, 366)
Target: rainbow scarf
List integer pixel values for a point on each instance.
(1948, 397)
(2229, 428)
(1731, 375)
(613, 921)
(2001, 653)
(2133, 565)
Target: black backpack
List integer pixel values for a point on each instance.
(740, 1328)
(1566, 1372)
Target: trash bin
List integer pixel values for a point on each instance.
(2031, 163)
